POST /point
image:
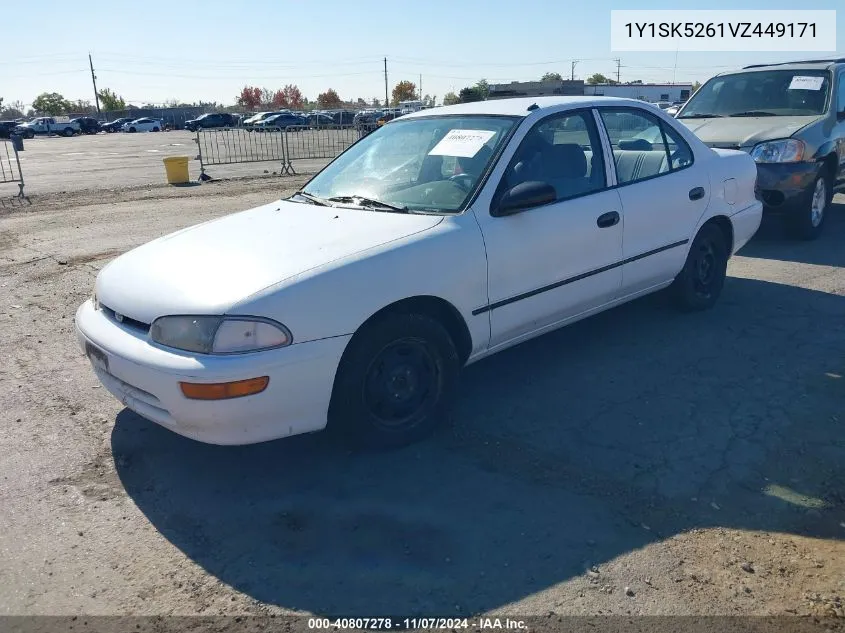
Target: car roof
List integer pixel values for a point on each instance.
(519, 106)
(809, 64)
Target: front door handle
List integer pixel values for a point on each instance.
(607, 220)
(696, 194)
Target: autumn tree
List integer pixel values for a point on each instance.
(293, 96)
(450, 98)
(329, 99)
(551, 77)
(250, 97)
(279, 100)
(51, 103)
(404, 91)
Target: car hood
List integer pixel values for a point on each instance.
(208, 268)
(746, 132)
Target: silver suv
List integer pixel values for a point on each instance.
(791, 118)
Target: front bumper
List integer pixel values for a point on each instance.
(145, 377)
(786, 187)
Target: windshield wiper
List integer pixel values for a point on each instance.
(754, 113)
(312, 199)
(701, 116)
(367, 202)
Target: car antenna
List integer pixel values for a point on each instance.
(533, 106)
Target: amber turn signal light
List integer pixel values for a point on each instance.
(224, 390)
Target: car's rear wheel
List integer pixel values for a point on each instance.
(700, 282)
(155, 129)
(394, 381)
(68, 131)
(807, 224)
(30, 134)
(132, 129)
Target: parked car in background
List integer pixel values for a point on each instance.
(434, 242)
(790, 117)
(257, 118)
(366, 120)
(87, 124)
(210, 120)
(673, 109)
(144, 124)
(47, 125)
(389, 115)
(343, 117)
(7, 127)
(116, 125)
(286, 119)
(316, 119)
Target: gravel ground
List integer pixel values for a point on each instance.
(640, 462)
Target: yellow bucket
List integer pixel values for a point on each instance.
(176, 168)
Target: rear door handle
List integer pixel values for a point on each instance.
(607, 219)
(696, 194)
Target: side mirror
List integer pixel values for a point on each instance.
(524, 196)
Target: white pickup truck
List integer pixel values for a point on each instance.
(47, 125)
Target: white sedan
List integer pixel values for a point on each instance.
(143, 125)
(445, 236)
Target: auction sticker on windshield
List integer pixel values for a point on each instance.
(803, 82)
(462, 143)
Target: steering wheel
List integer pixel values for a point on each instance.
(464, 181)
(685, 157)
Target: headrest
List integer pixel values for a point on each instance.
(636, 144)
(566, 160)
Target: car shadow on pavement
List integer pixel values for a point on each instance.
(566, 451)
(773, 242)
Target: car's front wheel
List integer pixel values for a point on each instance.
(700, 282)
(68, 131)
(807, 223)
(394, 381)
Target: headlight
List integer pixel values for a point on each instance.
(219, 335)
(786, 151)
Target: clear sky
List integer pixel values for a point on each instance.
(209, 49)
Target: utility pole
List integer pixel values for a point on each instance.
(572, 71)
(618, 66)
(386, 100)
(94, 81)
(420, 86)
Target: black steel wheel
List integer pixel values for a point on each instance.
(394, 381)
(700, 282)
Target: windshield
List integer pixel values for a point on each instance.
(430, 164)
(762, 93)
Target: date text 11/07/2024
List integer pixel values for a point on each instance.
(387, 624)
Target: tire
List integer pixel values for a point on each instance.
(155, 129)
(68, 131)
(394, 382)
(807, 224)
(699, 284)
(132, 130)
(30, 134)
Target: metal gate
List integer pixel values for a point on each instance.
(10, 163)
(228, 146)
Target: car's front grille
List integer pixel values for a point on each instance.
(124, 320)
